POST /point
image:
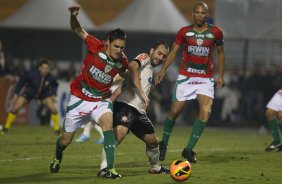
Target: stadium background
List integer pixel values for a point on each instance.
(253, 52)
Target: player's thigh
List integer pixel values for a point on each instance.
(50, 103)
(19, 103)
(176, 108)
(270, 114)
(106, 121)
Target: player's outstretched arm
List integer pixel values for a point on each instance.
(133, 68)
(74, 23)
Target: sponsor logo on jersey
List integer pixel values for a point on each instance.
(190, 34)
(108, 68)
(198, 50)
(197, 71)
(209, 35)
(199, 42)
(150, 79)
(200, 36)
(89, 94)
(196, 82)
(100, 76)
(102, 55)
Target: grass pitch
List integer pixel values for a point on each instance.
(224, 156)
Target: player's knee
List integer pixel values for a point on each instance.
(153, 143)
(205, 114)
(270, 114)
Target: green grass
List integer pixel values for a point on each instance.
(224, 156)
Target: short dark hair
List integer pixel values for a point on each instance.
(116, 34)
(158, 43)
(44, 61)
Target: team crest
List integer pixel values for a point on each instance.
(108, 68)
(199, 42)
(124, 119)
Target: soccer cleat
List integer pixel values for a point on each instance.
(112, 174)
(102, 172)
(55, 165)
(82, 138)
(100, 140)
(274, 145)
(189, 155)
(162, 148)
(162, 170)
(5, 130)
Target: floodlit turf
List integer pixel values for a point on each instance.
(224, 157)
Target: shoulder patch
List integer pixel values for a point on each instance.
(102, 55)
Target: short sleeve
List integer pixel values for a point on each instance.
(93, 44)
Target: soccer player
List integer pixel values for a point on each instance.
(273, 108)
(195, 79)
(35, 84)
(129, 110)
(90, 98)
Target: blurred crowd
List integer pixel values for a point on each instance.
(240, 103)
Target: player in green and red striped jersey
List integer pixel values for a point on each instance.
(195, 79)
(273, 111)
(90, 95)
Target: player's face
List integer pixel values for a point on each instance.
(44, 69)
(200, 14)
(158, 55)
(115, 48)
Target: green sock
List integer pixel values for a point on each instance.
(197, 130)
(275, 130)
(168, 126)
(59, 149)
(109, 146)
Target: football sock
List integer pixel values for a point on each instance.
(10, 119)
(168, 126)
(153, 155)
(197, 130)
(59, 149)
(275, 130)
(55, 119)
(104, 160)
(109, 146)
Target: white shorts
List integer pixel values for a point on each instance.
(187, 88)
(80, 112)
(276, 101)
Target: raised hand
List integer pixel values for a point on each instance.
(74, 10)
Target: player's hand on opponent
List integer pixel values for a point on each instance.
(159, 77)
(74, 10)
(220, 82)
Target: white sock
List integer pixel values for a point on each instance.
(87, 129)
(103, 160)
(99, 130)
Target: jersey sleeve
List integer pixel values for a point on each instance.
(93, 44)
(142, 59)
(180, 36)
(218, 36)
